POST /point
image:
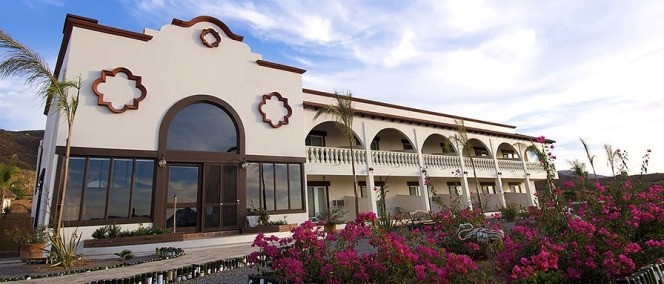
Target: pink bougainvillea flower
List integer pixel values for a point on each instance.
(540, 139)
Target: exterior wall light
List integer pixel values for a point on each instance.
(371, 169)
(500, 174)
(244, 165)
(162, 161)
(424, 171)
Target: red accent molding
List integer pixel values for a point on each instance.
(359, 100)
(435, 124)
(215, 34)
(281, 122)
(130, 76)
(208, 19)
(280, 66)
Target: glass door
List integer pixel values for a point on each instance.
(317, 199)
(182, 197)
(220, 199)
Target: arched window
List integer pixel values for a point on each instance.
(203, 127)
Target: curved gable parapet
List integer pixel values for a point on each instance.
(209, 19)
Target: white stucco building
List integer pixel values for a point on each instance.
(190, 111)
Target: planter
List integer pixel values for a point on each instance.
(136, 240)
(32, 251)
(268, 229)
(330, 228)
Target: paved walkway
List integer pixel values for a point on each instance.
(196, 252)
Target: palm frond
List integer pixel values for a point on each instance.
(22, 62)
(342, 113)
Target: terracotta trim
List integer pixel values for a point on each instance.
(130, 77)
(215, 34)
(99, 222)
(209, 19)
(269, 64)
(281, 122)
(435, 124)
(366, 101)
(105, 152)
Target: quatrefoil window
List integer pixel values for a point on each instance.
(275, 110)
(207, 35)
(113, 91)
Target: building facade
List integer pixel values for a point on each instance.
(185, 126)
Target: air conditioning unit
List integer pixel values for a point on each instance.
(338, 203)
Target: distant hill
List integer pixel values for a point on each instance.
(25, 144)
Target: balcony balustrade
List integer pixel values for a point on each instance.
(441, 161)
(388, 158)
(342, 156)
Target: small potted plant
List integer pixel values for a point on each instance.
(31, 241)
(330, 217)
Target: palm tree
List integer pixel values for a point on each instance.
(343, 114)
(591, 158)
(461, 139)
(579, 169)
(611, 159)
(20, 61)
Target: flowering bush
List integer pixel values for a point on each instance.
(607, 231)
(396, 257)
(611, 231)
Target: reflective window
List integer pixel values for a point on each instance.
(274, 186)
(107, 188)
(96, 189)
(202, 127)
(183, 182)
(118, 206)
(72, 200)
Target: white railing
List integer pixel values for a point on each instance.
(387, 158)
(441, 161)
(480, 163)
(534, 167)
(510, 165)
(328, 155)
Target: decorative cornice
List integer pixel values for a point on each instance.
(215, 34)
(435, 124)
(208, 19)
(284, 120)
(280, 66)
(130, 76)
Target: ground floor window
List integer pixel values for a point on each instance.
(515, 187)
(108, 188)
(413, 188)
(488, 187)
(275, 186)
(454, 187)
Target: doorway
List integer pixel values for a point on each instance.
(202, 197)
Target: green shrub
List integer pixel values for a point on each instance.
(100, 233)
(510, 212)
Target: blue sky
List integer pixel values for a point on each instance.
(562, 69)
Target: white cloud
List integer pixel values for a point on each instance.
(19, 108)
(563, 69)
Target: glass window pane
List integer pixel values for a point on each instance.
(120, 189)
(268, 186)
(230, 184)
(72, 200)
(212, 216)
(230, 216)
(253, 186)
(212, 184)
(185, 217)
(183, 182)
(295, 184)
(311, 201)
(202, 127)
(143, 180)
(281, 192)
(96, 188)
